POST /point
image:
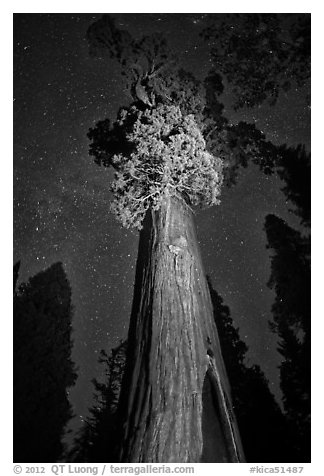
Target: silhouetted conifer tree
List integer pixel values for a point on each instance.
(290, 278)
(294, 168)
(96, 440)
(43, 370)
(260, 420)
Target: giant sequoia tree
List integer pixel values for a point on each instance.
(171, 148)
(175, 372)
(255, 406)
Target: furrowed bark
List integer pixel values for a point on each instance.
(175, 399)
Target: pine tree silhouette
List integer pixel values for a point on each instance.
(261, 423)
(43, 370)
(96, 440)
(291, 279)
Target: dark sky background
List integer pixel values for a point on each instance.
(61, 198)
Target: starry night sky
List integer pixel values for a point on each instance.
(61, 198)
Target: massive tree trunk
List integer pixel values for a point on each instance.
(175, 399)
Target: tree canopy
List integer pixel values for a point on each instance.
(173, 137)
(261, 54)
(169, 157)
(156, 145)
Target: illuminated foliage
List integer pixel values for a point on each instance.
(169, 158)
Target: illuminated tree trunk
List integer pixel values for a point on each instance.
(175, 399)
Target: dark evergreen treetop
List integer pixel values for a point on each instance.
(290, 273)
(261, 54)
(294, 167)
(96, 440)
(43, 369)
